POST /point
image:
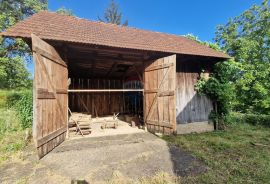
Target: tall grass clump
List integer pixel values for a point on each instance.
(253, 119)
(15, 117)
(22, 102)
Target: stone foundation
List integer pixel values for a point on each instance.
(196, 127)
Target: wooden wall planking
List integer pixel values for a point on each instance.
(190, 107)
(103, 103)
(159, 93)
(50, 97)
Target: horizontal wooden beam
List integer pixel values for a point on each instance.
(49, 56)
(50, 136)
(159, 123)
(160, 93)
(83, 48)
(150, 90)
(44, 94)
(61, 91)
(103, 90)
(48, 95)
(166, 93)
(157, 67)
(104, 60)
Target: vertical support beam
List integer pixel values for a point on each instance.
(65, 48)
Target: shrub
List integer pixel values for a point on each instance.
(22, 102)
(254, 119)
(12, 98)
(219, 87)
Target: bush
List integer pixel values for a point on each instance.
(254, 119)
(219, 87)
(12, 98)
(22, 102)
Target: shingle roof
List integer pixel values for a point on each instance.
(52, 26)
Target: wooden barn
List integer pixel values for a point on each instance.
(104, 69)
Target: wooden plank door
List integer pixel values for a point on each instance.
(159, 95)
(50, 97)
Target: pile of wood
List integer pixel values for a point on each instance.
(111, 123)
(80, 123)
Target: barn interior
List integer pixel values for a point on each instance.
(105, 86)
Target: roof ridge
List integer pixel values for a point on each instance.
(125, 27)
(115, 25)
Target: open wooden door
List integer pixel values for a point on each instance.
(50, 97)
(159, 95)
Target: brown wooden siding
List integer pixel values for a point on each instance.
(50, 97)
(105, 103)
(159, 95)
(190, 107)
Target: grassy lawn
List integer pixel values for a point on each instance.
(231, 156)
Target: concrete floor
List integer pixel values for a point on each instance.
(133, 155)
(97, 159)
(96, 130)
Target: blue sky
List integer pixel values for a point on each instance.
(180, 17)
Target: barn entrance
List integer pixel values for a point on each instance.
(87, 89)
(105, 94)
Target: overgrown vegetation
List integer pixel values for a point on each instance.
(219, 86)
(22, 102)
(247, 36)
(15, 79)
(241, 154)
(253, 119)
(241, 91)
(14, 53)
(15, 117)
(241, 84)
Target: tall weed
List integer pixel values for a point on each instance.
(22, 102)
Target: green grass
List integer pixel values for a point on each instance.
(229, 155)
(3, 97)
(11, 133)
(11, 143)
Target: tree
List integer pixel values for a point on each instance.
(247, 37)
(65, 11)
(13, 73)
(14, 52)
(12, 11)
(214, 46)
(253, 89)
(113, 15)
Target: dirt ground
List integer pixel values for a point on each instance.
(97, 159)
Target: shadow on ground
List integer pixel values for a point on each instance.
(184, 164)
